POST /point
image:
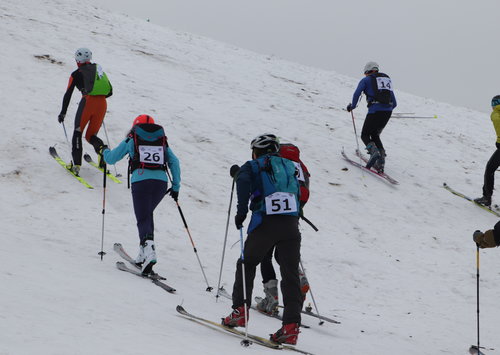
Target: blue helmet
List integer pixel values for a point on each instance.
(495, 101)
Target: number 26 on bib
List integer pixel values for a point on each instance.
(281, 203)
(151, 154)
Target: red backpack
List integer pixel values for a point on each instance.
(292, 152)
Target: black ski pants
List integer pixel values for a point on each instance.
(146, 195)
(373, 127)
(281, 232)
(489, 173)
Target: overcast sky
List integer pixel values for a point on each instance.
(448, 50)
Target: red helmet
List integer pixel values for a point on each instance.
(143, 119)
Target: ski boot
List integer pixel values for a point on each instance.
(380, 163)
(149, 257)
(75, 169)
(374, 154)
(485, 201)
(287, 334)
(236, 318)
(269, 304)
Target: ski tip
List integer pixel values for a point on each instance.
(180, 309)
(444, 184)
(117, 245)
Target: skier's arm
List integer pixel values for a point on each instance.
(357, 93)
(175, 168)
(243, 188)
(117, 154)
(67, 95)
(393, 100)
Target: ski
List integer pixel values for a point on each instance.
(121, 266)
(89, 160)
(53, 153)
(240, 334)
(383, 176)
(307, 310)
(455, 192)
(118, 247)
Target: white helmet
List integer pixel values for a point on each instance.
(83, 55)
(371, 66)
(266, 141)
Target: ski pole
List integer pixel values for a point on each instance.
(312, 296)
(209, 288)
(477, 291)
(356, 135)
(309, 222)
(107, 141)
(244, 342)
(67, 140)
(102, 253)
(225, 239)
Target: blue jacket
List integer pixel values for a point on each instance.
(365, 86)
(127, 147)
(250, 191)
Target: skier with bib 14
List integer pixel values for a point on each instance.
(150, 155)
(95, 87)
(381, 102)
(269, 184)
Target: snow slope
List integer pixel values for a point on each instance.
(395, 264)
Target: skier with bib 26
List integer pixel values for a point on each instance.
(95, 87)
(494, 162)
(381, 101)
(269, 184)
(150, 155)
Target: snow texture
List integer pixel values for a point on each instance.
(396, 265)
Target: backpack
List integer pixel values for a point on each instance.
(150, 144)
(95, 80)
(279, 188)
(382, 88)
(292, 152)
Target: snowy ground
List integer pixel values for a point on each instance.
(396, 265)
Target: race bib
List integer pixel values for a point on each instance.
(384, 83)
(149, 154)
(281, 203)
(300, 172)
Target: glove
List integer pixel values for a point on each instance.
(484, 240)
(238, 220)
(233, 171)
(102, 148)
(174, 194)
(349, 108)
(60, 118)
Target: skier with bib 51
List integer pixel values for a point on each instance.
(381, 102)
(269, 184)
(95, 87)
(149, 153)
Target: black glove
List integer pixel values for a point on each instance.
(60, 118)
(233, 171)
(238, 220)
(102, 148)
(349, 108)
(174, 194)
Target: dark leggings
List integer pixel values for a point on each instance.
(282, 232)
(373, 127)
(146, 195)
(489, 173)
